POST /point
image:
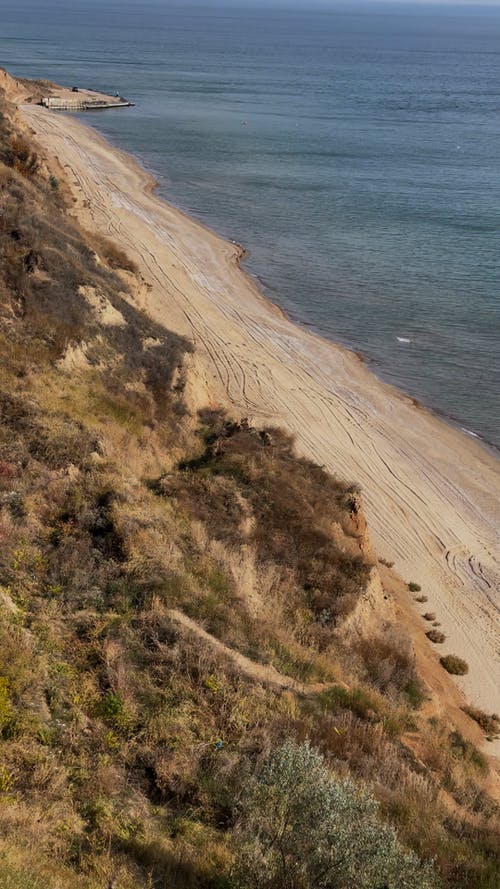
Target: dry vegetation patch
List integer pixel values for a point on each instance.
(490, 723)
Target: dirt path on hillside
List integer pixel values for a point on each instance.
(263, 673)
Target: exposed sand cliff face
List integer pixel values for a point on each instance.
(15, 90)
(432, 496)
(374, 615)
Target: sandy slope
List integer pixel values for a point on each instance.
(432, 495)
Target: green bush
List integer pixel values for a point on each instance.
(302, 828)
(113, 712)
(5, 708)
(414, 587)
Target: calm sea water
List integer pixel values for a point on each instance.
(355, 152)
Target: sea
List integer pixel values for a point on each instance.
(353, 149)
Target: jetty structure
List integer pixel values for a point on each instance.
(83, 100)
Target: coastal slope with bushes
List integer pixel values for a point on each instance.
(203, 680)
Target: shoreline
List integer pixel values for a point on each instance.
(372, 364)
(431, 491)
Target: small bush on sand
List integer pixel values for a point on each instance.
(414, 587)
(454, 664)
(429, 615)
(436, 636)
(421, 599)
(489, 724)
(302, 828)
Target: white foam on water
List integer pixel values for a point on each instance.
(403, 339)
(469, 432)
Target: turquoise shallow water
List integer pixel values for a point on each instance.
(354, 152)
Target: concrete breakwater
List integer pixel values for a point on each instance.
(81, 103)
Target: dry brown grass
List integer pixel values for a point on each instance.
(113, 255)
(293, 504)
(490, 723)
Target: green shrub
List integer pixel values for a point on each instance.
(414, 587)
(454, 665)
(112, 710)
(302, 828)
(5, 704)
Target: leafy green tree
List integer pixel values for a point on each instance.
(302, 828)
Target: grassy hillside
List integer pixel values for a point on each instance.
(174, 597)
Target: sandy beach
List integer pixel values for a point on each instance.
(432, 495)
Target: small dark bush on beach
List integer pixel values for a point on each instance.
(436, 637)
(454, 664)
